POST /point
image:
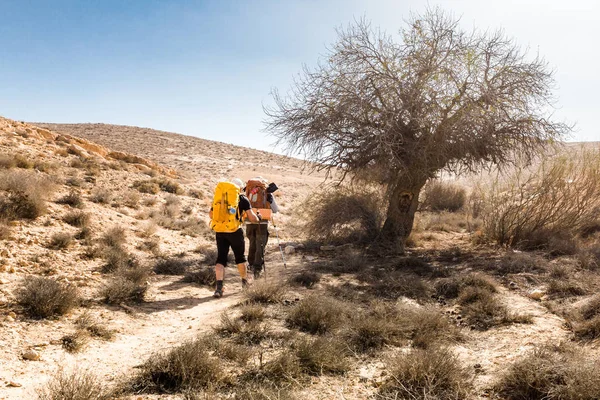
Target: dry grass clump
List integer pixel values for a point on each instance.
(127, 285)
(394, 284)
(250, 332)
(327, 218)
(44, 297)
(188, 366)
(551, 373)
(60, 241)
(101, 195)
(263, 291)
(278, 372)
(317, 314)
(430, 374)
(154, 186)
(72, 199)
(89, 324)
(204, 276)
(482, 310)
(76, 385)
(442, 196)
(564, 288)
(305, 278)
(74, 342)
(172, 266)
(114, 237)
(131, 199)
(252, 312)
(555, 201)
(23, 195)
(78, 219)
(451, 288)
(322, 355)
(586, 320)
(515, 263)
(5, 231)
(224, 349)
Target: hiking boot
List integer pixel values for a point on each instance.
(218, 294)
(257, 273)
(244, 284)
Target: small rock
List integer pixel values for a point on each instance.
(327, 248)
(3, 282)
(513, 285)
(9, 319)
(14, 384)
(536, 294)
(12, 314)
(289, 250)
(31, 355)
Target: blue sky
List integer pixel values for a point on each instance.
(206, 68)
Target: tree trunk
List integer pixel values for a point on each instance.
(400, 217)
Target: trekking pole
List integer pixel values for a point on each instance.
(279, 243)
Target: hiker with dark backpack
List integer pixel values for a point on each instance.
(263, 203)
(230, 206)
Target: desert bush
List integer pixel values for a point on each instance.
(394, 284)
(556, 199)
(305, 278)
(252, 312)
(228, 351)
(551, 373)
(60, 240)
(283, 369)
(22, 162)
(317, 314)
(322, 355)
(442, 196)
(23, 194)
(482, 310)
(149, 187)
(328, 220)
(264, 291)
(101, 195)
(250, 332)
(94, 328)
(7, 162)
(172, 266)
(75, 385)
(74, 342)
(379, 326)
(152, 245)
(131, 199)
(127, 285)
(426, 374)
(564, 288)
(115, 258)
(44, 297)
(203, 276)
(72, 199)
(78, 219)
(187, 366)
(114, 237)
(5, 231)
(515, 263)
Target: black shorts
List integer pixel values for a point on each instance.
(235, 240)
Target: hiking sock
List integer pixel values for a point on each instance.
(243, 270)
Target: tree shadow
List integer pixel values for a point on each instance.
(181, 303)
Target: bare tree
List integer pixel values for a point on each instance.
(400, 112)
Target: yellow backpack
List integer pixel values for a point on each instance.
(226, 217)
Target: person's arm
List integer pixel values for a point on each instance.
(245, 206)
(252, 216)
(210, 213)
(274, 206)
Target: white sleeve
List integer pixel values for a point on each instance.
(274, 206)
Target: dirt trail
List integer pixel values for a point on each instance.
(175, 311)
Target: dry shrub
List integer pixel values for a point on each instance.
(78, 219)
(305, 278)
(283, 369)
(44, 297)
(116, 258)
(76, 385)
(551, 373)
(5, 231)
(264, 291)
(148, 186)
(228, 351)
(482, 310)
(328, 219)
(74, 342)
(127, 285)
(203, 276)
(394, 284)
(23, 194)
(250, 332)
(586, 319)
(557, 199)
(432, 374)
(101, 195)
(515, 263)
(252, 312)
(131, 199)
(442, 196)
(60, 240)
(88, 323)
(379, 326)
(172, 266)
(589, 257)
(564, 288)
(114, 237)
(187, 366)
(322, 355)
(7, 162)
(72, 199)
(317, 314)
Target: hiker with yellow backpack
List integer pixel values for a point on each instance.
(230, 206)
(263, 203)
